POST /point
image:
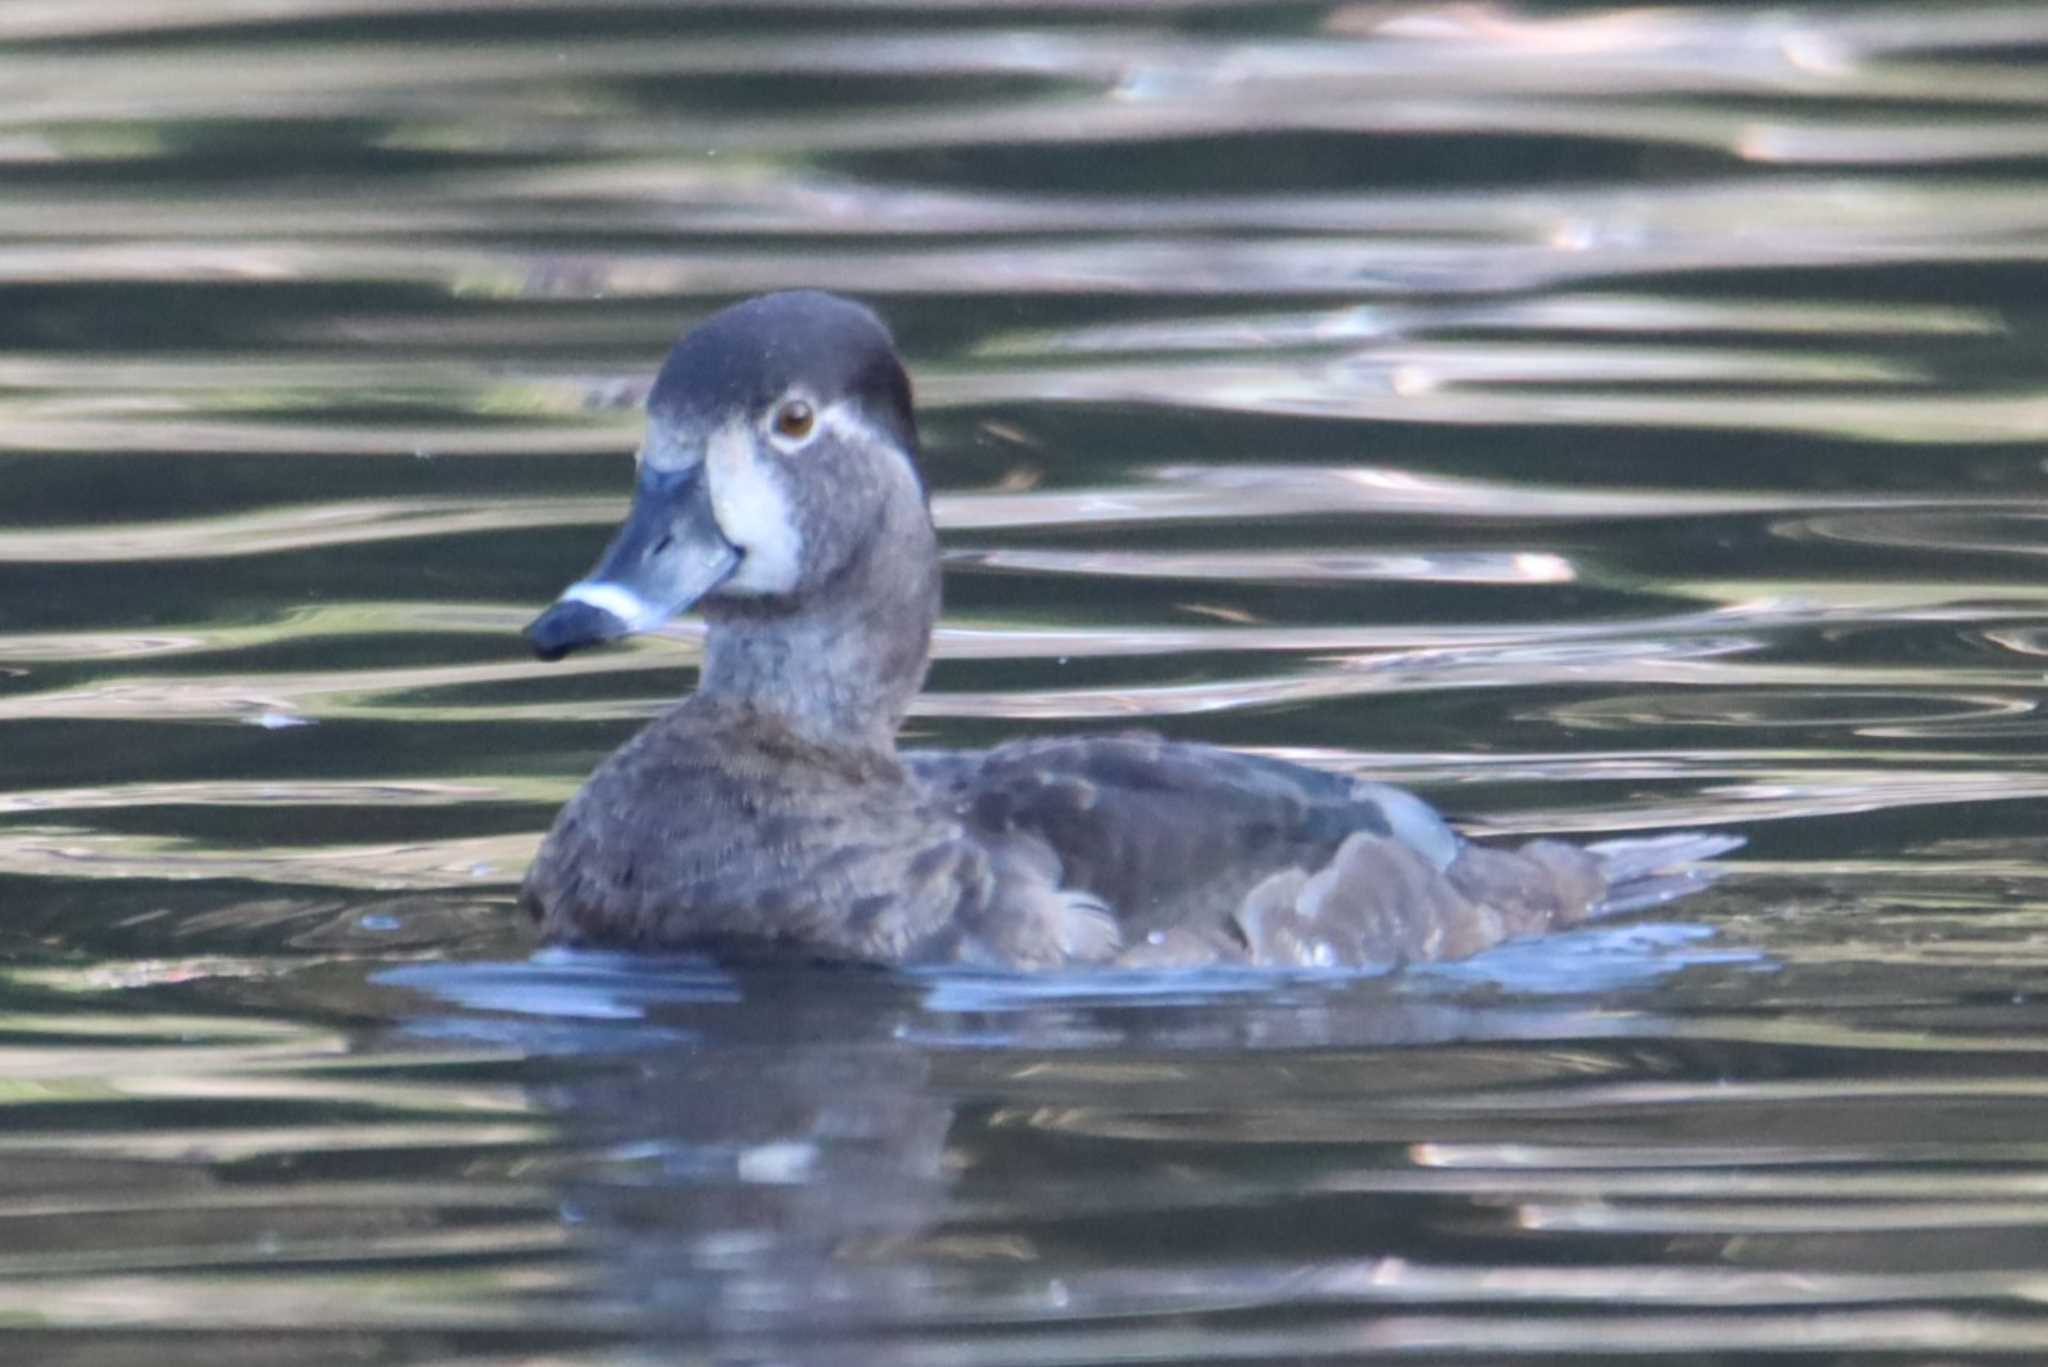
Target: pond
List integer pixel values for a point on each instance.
(1600, 420)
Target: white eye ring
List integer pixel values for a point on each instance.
(794, 422)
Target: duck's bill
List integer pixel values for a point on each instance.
(669, 554)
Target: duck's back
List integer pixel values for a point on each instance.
(1169, 832)
(1207, 855)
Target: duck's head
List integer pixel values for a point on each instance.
(780, 450)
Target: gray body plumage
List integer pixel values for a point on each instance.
(771, 812)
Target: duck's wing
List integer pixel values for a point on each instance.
(1172, 835)
(1209, 855)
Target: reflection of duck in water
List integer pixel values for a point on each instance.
(778, 492)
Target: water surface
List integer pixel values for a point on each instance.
(1601, 420)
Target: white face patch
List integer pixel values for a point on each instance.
(753, 511)
(621, 602)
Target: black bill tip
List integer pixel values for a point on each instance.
(571, 625)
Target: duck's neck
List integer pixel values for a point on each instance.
(840, 673)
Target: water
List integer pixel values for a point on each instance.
(1599, 420)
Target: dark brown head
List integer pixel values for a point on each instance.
(780, 453)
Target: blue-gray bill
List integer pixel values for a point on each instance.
(669, 554)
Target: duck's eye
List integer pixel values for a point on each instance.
(794, 420)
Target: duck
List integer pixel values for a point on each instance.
(779, 494)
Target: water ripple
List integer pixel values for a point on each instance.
(1601, 420)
